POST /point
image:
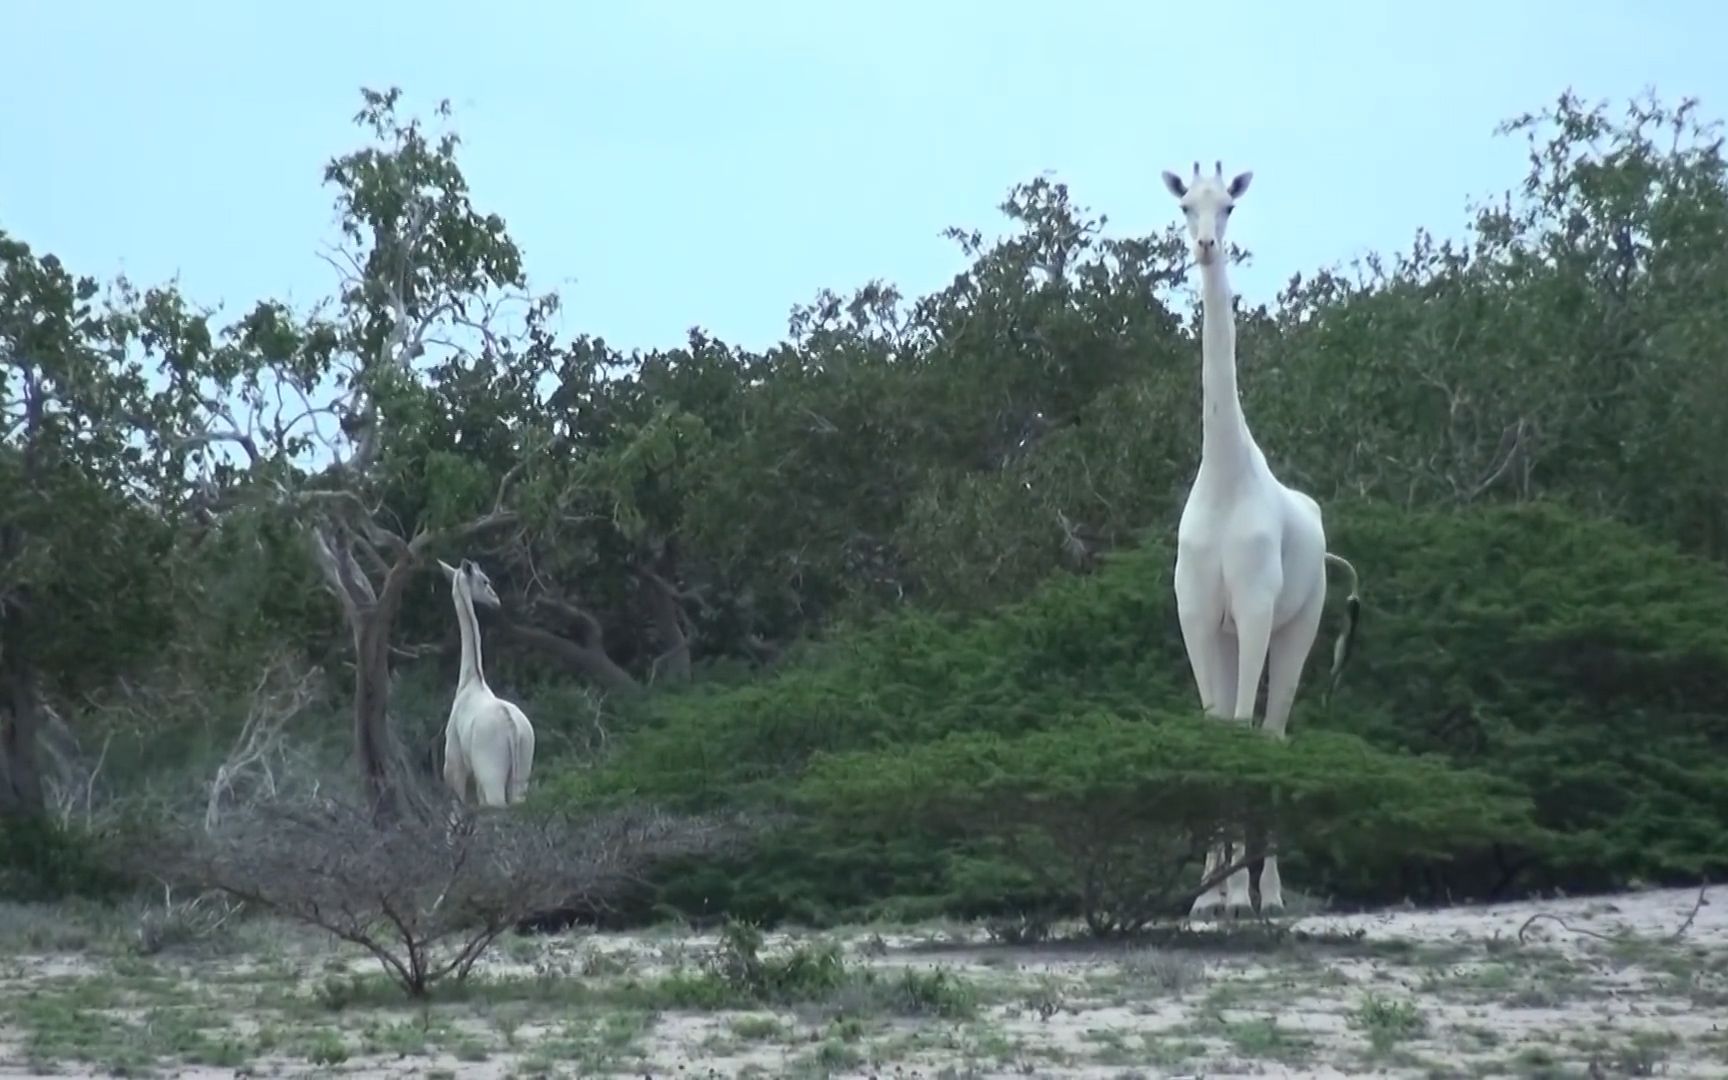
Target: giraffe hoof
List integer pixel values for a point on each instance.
(1239, 911)
(1271, 909)
(1206, 909)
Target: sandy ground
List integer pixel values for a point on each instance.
(1628, 985)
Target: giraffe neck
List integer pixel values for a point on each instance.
(471, 671)
(1225, 440)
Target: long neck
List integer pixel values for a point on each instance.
(1225, 441)
(471, 670)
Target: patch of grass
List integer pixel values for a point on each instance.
(401, 1038)
(72, 926)
(839, 1054)
(1538, 1063)
(1171, 1053)
(204, 921)
(324, 1047)
(1044, 999)
(1478, 1038)
(909, 992)
(811, 975)
(760, 1029)
(1644, 1054)
(600, 1043)
(1388, 1023)
(988, 1043)
(80, 1021)
(1264, 1038)
(1113, 1047)
(602, 963)
(1164, 972)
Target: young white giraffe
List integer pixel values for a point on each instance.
(486, 737)
(1251, 552)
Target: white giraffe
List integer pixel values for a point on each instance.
(486, 737)
(1251, 554)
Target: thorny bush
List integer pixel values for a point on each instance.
(427, 896)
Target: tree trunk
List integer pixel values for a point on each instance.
(20, 765)
(673, 663)
(371, 710)
(657, 583)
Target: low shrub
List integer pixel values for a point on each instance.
(1112, 815)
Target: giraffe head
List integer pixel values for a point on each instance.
(1206, 203)
(471, 578)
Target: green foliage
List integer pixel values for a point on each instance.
(43, 860)
(1112, 812)
(973, 762)
(81, 437)
(1569, 655)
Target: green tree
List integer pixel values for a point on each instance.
(92, 467)
(401, 459)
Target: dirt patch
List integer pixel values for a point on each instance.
(1632, 984)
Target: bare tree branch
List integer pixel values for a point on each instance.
(427, 897)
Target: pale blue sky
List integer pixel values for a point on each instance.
(665, 163)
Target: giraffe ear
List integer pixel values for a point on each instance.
(449, 571)
(1240, 184)
(1175, 184)
(468, 567)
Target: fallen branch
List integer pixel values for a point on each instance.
(1668, 939)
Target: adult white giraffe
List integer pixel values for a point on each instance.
(486, 737)
(1250, 551)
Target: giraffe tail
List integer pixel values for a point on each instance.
(1345, 646)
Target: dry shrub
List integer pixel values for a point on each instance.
(426, 895)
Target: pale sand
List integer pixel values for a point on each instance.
(1453, 992)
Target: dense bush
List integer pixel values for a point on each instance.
(918, 746)
(43, 860)
(1569, 655)
(1109, 815)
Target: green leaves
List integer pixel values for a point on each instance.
(87, 465)
(1147, 788)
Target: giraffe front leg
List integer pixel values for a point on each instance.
(455, 768)
(1212, 653)
(1239, 903)
(1253, 635)
(1211, 901)
(1271, 885)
